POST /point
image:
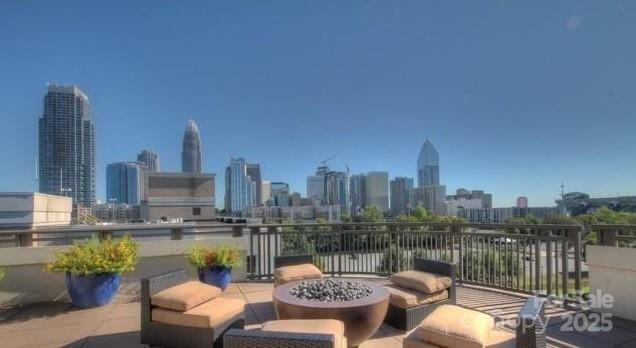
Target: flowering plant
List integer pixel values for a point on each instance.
(201, 256)
(93, 257)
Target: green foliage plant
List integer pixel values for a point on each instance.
(201, 256)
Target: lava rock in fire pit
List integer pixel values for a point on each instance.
(329, 290)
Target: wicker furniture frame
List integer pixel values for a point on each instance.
(166, 335)
(532, 325)
(408, 318)
(235, 338)
(292, 260)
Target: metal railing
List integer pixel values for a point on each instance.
(524, 258)
(615, 235)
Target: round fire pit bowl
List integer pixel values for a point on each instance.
(362, 312)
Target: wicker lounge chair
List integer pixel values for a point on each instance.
(408, 318)
(290, 334)
(155, 333)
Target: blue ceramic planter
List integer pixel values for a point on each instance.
(93, 290)
(217, 276)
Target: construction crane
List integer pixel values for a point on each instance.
(323, 163)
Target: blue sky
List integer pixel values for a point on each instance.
(517, 97)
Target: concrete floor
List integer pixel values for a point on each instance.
(117, 324)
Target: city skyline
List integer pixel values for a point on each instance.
(504, 119)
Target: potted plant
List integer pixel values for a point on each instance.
(93, 269)
(214, 265)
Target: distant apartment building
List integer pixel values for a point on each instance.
(295, 200)
(25, 210)
(253, 170)
(401, 195)
(486, 215)
(296, 214)
(522, 202)
(316, 185)
(357, 192)
(120, 213)
(461, 193)
(431, 198)
(125, 182)
(150, 159)
(66, 164)
(538, 212)
(266, 192)
(280, 194)
(178, 195)
(377, 190)
(191, 157)
(240, 189)
(454, 205)
(337, 189)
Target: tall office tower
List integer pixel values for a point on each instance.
(316, 185)
(191, 154)
(428, 165)
(67, 145)
(357, 192)
(150, 159)
(266, 191)
(240, 189)
(337, 190)
(280, 194)
(522, 202)
(401, 196)
(377, 190)
(124, 182)
(253, 170)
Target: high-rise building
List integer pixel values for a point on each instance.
(522, 202)
(253, 170)
(240, 189)
(337, 190)
(178, 195)
(377, 190)
(124, 182)
(266, 191)
(150, 159)
(401, 195)
(431, 198)
(428, 165)
(67, 145)
(357, 190)
(280, 194)
(191, 154)
(295, 200)
(316, 185)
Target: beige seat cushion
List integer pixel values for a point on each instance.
(210, 314)
(407, 298)
(315, 326)
(303, 271)
(429, 283)
(185, 296)
(454, 326)
(498, 338)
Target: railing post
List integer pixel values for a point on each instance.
(176, 233)
(237, 231)
(548, 261)
(389, 268)
(537, 260)
(608, 236)
(25, 239)
(335, 231)
(251, 265)
(340, 244)
(457, 230)
(103, 235)
(577, 261)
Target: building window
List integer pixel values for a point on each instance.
(196, 211)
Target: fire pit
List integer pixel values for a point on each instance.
(360, 305)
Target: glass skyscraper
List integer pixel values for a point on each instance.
(66, 163)
(191, 154)
(124, 182)
(150, 159)
(428, 165)
(240, 189)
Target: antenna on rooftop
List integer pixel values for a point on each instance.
(324, 162)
